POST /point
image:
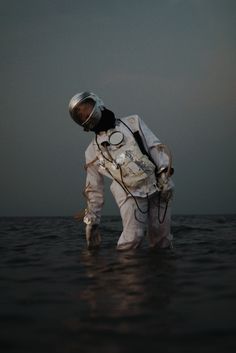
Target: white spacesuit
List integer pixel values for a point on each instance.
(126, 151)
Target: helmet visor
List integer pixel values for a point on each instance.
(91, 120)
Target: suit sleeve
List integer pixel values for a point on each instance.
(154, 147)
(94, 190)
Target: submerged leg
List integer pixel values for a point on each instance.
(134, 224)
(159, 233)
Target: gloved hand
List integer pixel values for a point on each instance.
(166, 187)
(93, 236)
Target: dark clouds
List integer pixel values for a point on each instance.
(172, 62)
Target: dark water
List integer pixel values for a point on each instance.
(55, 296)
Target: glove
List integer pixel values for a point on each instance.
(93, 236)
(165, 186)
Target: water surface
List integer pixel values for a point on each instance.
(56, 296)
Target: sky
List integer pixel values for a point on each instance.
(172, 62)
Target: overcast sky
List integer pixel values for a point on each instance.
(170, 61)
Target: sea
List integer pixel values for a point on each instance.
(57, 296)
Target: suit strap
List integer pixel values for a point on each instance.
(139, 141)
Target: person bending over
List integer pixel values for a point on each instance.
(140, 167)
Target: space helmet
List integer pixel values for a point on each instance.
(94, 117)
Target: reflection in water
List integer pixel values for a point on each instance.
(127, 293)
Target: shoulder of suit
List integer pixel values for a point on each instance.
(132, 121)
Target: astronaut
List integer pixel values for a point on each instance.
(140, 167)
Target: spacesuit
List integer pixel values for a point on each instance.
(139, 165)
